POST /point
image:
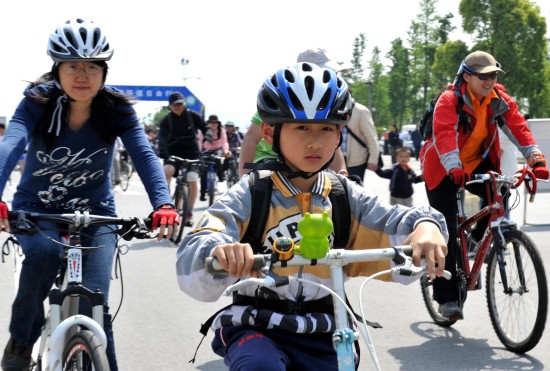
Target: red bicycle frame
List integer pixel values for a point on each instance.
(496, 210)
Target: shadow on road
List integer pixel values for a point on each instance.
(458, 352)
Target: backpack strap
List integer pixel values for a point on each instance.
(341, 214)
(354, 136)
(261, 185)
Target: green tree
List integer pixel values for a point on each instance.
(515, 33)
(424, 35)
(398, 81)
(446, 63)
(355, 74)
(154, 119)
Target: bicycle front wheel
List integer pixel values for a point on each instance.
(517, 292)
(124, 176)
(232, 175)
(84, 352)
(212, 179)
(428, 295)
(180, 200)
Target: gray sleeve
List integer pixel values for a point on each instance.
(221, 223)
(397, 221)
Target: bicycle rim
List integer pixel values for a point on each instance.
(518, 314)
(231, 176)
(426, 286)
(84, 352)
(124, 178)
(180, 200)
(130, 166)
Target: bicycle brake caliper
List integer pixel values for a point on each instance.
(343, 344)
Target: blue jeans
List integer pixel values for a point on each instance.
(38, 273)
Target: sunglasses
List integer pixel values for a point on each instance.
(486, 76)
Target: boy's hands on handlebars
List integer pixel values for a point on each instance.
(167, 219)
(428, 242)
(236, 258)
(5, 223)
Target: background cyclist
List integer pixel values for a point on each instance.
(215, 140)
(178, 137)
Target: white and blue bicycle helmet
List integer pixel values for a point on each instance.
(79, 39)
(303, 93)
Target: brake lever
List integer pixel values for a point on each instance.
(267, 281)
(408, 269)
(137, 230)
(21, 225)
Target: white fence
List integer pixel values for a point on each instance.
(541, 132)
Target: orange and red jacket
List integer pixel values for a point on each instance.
(440, 153)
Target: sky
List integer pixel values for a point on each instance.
(231, 46)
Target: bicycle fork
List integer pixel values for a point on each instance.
(501, 251)
(344, 336)
(61, 331)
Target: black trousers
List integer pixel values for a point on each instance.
(443, 199)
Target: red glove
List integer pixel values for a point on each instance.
(540, 171)
(4, 222)
(165, 215)
(459, 176)
(3, 210)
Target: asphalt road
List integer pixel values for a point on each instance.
(157, 325)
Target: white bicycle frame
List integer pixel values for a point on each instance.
(336, 259)
(57, 331)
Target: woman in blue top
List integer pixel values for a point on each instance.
(69, 119)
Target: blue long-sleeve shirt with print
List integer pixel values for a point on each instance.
(73, 174)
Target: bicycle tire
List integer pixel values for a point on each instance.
(131, 169)
(232, 177)
(84, 352)
(124, 175)
(212, 176)
(519, 315)
(426, 286)
(181, 202)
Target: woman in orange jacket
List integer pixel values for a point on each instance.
(465, 142)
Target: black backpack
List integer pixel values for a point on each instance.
(426, 123)
(261, 186)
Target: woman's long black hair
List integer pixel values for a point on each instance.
(105, 111)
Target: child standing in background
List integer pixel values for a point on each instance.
(401, 178)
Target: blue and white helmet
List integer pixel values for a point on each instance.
(79, 39)
(307, 93)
